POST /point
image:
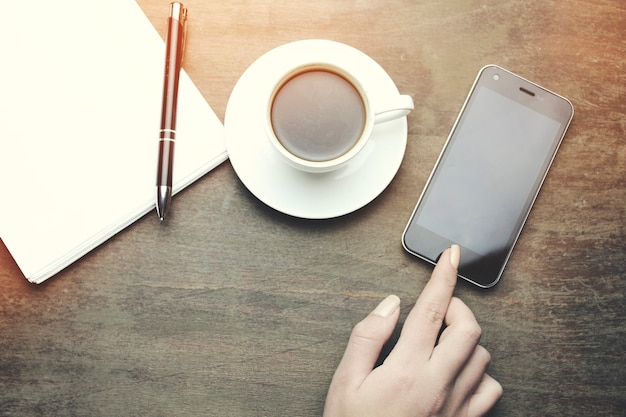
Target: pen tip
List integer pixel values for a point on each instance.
(164, 196)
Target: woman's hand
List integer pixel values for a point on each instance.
(420, 377)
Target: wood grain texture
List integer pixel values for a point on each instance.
(233, 309)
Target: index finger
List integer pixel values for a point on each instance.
(423, 324)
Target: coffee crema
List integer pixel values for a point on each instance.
(318, 115)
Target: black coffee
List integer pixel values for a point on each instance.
(318, 115)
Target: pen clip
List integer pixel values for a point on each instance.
(178, 12)
(184, 23)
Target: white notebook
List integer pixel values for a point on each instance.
(80, 101)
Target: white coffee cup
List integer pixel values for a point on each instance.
(319, 116)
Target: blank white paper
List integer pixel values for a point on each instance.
(80, 112)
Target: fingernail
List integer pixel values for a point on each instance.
(455, 256)
(387, 307)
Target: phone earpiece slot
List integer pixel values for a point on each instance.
(523, 90)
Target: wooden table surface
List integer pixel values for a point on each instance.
(234, 309)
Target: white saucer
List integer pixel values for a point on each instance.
(286, 189)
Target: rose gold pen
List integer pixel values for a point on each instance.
(174, 51)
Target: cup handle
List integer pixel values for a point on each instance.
(394, 108)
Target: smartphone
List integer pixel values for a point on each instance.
(489, 173)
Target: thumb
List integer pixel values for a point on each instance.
(366, 341)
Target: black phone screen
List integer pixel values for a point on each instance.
(488, 175)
